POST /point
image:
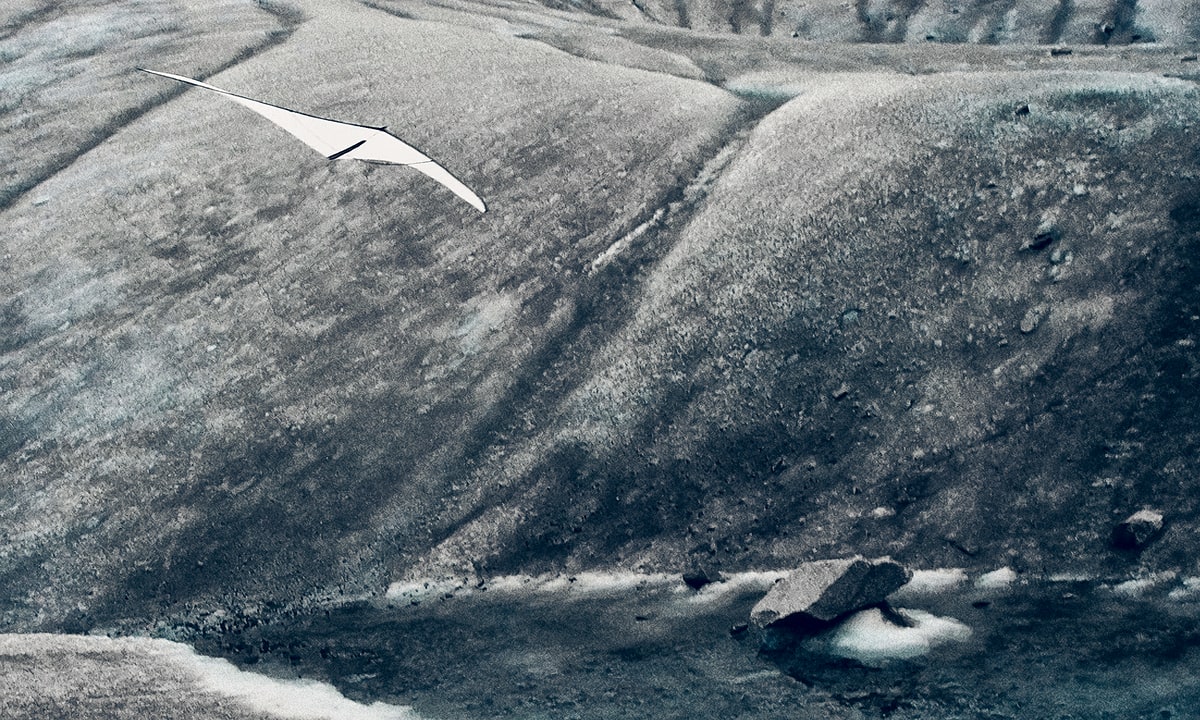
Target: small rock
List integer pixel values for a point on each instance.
(1138, 530)
(819, 592)
(1047, 233)
(699, 576)
(842, 391)
(1022, 110)
(1033, 318)
(739, 629)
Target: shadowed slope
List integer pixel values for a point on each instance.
(910, 319)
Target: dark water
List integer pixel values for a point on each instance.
(1038, 650)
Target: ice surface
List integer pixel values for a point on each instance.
(160, 666)
(869, 638)
(292, 699)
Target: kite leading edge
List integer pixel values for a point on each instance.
(336, 139)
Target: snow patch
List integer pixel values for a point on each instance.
(1069, 577)
(1189, 591)
(174, 667)
(607, 583)
(591, 583)
(291, 699)
(420, 590)
(869, 638)
(931, 582)
(996, 579)
(738, 583)
(1138, 586)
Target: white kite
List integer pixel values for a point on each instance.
(336, 139)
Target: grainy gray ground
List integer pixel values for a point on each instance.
(742, 299)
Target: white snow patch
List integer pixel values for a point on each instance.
(931, 582)
(997, 579)
(515, 583)
(590, 583)
(1067, 577)
(292, 699)
(419, 590)
(182, 668)
(607, 583)
(742, 582)
(1137, 586)
(1190, 590)
(869, 638)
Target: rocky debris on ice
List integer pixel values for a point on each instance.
(821, 591)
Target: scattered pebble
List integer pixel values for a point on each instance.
(1033, 318)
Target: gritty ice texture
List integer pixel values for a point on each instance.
(869, 638)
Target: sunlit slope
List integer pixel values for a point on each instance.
(949, 318)
(233, 370)
(64, 83)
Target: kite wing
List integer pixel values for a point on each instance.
(335, 139)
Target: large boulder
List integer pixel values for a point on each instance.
(1137, 530)
(821, 591)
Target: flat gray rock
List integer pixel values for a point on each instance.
(826, 589)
